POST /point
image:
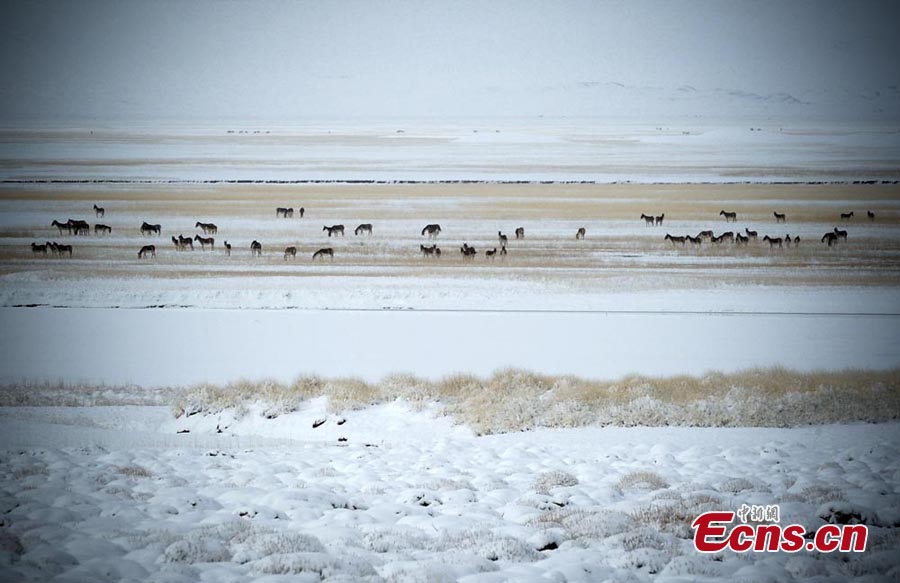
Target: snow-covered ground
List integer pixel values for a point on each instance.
(526, 149)
(180, 347)
(115, 494)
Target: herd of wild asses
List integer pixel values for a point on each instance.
(830, 238)
(181, 243)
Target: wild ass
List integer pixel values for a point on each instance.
(99, 211)
(67, 226)
(204, 241)
(363, 228)
(432, 251)
(729, 217)
(323, 252)
(334, 230)
(147, 250)
(147, 228)
(432, 231)
(207, 228)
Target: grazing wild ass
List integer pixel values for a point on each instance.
(675, 240)
(147, 250)
(290, 251)
(580, 234)
(830, 238)
(80, 227)
(520, 233)
(255, 249)
(334, 230)
(363, 228)
(104, 229)
(323, 252)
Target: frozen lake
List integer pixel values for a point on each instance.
(184, 346)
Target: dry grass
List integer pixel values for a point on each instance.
(135, 472)
(61, 394)
(642, 480)
(516, 400)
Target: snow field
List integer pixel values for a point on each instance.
(589, 504)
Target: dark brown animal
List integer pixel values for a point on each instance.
(432, 231)
(147, 229)
(323, 252)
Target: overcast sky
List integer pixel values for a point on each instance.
(140, 60)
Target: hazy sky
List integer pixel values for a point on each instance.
(124, 59)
